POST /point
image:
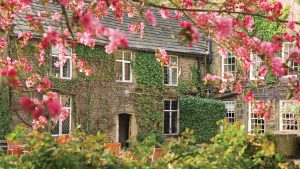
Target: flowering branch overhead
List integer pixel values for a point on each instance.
(64, 24)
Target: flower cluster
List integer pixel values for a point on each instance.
(262, 109)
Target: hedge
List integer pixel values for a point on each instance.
(201, 115)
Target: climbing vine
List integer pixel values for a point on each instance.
(5, 113)
(191, 86)
(149, 93)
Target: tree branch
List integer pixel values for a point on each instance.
(220, 11)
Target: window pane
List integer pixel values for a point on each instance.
(66, 101)
(174, 105)
(54, 70)
(119, 55)
(55, 130)
(166, 75)
(127, 56)
(174, 76)
(174, 61)
(66, 125)
(167, 105)
(174, 122)
(127, 71)
(118, 70)
(166, 122)
(67, 68)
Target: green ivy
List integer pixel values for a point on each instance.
(201, 115)
(5, 112)
(191, 86)
(150, 87)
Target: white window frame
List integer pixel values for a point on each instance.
(282, 113)
(284, 59)
(61, 74)
(170, 66)
(123, 61)
(250, 118)
(230, 110)
(60, 121)
(170, 117)
(254, 63)
(223, 65)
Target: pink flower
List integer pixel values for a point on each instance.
(162, 56)
(116, 38)
(56, 16)
(165, 13)
(291, 25)
(64, 114)
(26, 2)
(27, 104)
(137, 27)
(150, 18)
(222, 87)
(189, 32)
(228, 77)
(86, 39)
(238, 88)
(277, 66)
(2, 43)
(249, 97)
(266, 116)
(46, 83)
(53, 107)
(263, 71)
(39, 123)
(64, 2)
(25, 36)
(211, 78)
(224, 27)
(267, 48)
(248, 23)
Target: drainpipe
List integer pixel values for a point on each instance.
(199, 75)
(208, 60)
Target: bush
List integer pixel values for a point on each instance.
(201, 115)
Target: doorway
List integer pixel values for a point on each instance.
(124, 129)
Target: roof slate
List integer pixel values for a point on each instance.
(154, 37)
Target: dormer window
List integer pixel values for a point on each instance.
(63, 71)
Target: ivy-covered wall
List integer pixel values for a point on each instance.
(5, 112)
(201, 115)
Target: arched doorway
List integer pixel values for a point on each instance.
(124, 129)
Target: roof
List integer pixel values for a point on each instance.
(154, 37)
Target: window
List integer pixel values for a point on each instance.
(171, 72)
(229, 64)
(171, 117)
(123, 66)
(64, 126)
(294, 67)
(289, 115)
(65, 71)
(255, 122)
(255, 66)
(230, 107)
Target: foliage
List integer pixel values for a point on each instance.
(201, 115)
(231, 148)
(149, 89)
(5, 112)
(191, 86)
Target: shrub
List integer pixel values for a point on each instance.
(201, 115)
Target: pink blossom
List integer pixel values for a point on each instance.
(248, 23)
(267, 48)
(222, 87)
(53, 107)
(211, 78)
(162, 56)
(64, 2)
(291, 25)
(25, 36)
(165, 13)
(228, 77)
(40, 123)
(2, 43)
(266, 116)
(249, 97)
(137, 27)
(263, 71)
(64, 114)
(277, 66)
(190, 32)
(238, 88)
(86, 38)
(56, 16)
(27, 104)
(150, 18)
(116, 38)
(224, 27)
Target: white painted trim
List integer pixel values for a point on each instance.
(170, 117)
(170, 75)
(123, 61)
(249, 117)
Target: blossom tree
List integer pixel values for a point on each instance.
(228, 23)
